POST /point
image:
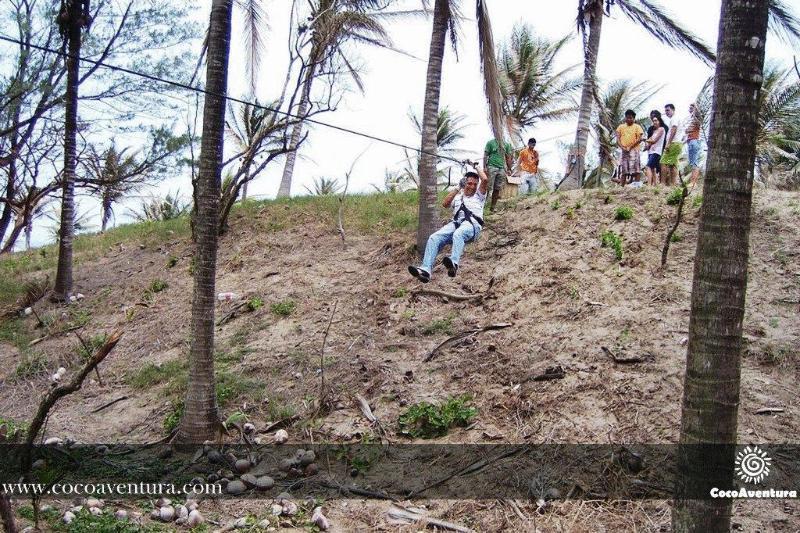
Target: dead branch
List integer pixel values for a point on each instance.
(366, 410)
(668, 240)
(463, 335)
(322, 398)
(453, 296)
(769, 410)
(407, 516)
(109, 404)
(284, 422)
(551, 372)
(622, 360)
(7, 514)
(59, 392)
(227, 317)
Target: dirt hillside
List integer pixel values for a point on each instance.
(543, 269)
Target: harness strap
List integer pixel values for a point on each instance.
(468, 216)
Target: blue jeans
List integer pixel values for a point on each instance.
(693, 147)
(448, 234)
(530, 183)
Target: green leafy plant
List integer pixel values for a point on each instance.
(440, 325)
(174, 416)
(676, 237)
(254, 303)
(10, 430)
(623, 212)
(172, 261)
(612, 240)
(399, 292)
(158, 285)
(426, 420)
(556, 204)
(283, 308)
(674, 196)
(697, 201)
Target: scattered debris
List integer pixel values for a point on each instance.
(319, 519)
(769, 410)
(412, 515)
(622, 360)
(463, 335)
(551, 372)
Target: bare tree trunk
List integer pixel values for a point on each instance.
(63, 284)
(577, 165)
(19, 225)
(428, 193)
(285, 188)
(5, 218)
(244, 189)
(711, 385)
(200, 420)
(7, 515)
(28, 232)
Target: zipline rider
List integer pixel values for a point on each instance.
(467, 202)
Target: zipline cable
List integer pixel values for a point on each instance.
(225, 97)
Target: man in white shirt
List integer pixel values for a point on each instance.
(467, 202)
(673, 149)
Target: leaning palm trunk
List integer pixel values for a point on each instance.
(711, 385)
(200, 420)
(63, 284)
(428, 209)
(491, 78)
(285, 188)
(577, 159)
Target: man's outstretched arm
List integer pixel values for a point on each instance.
(483, 186)
(448, 200)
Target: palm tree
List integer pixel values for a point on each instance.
(73, 17)
(618, 96)
(446, 18)
(333, 24)
(450, 126)
(644, 13)
(777, 141)
(711, 383)
(325, 187)
(532, 90)
(201, 420)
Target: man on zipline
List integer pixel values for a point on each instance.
(467, 202)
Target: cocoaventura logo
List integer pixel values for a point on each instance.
(752, 466)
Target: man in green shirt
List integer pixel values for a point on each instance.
(498, 166)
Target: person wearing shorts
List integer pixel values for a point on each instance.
(629, 137)
(673, 148)
(654, 144)
(693, 145)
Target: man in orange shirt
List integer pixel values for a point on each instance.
(629, 137)
(528, 168)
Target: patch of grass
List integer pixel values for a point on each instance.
(254, 303)
(156, 286)
(14, 331)
(11, 430)
(92, 345)
(399, 292)
(30, 366)
(674, 196)
(283, 308)
(570, 214)
(426, 420)
(676, 237)
(774, 322)
(279, 409)
(152, 374)
(697, 201)
(555, 204)
(771, 211)
(612, 240)
(439, 326)
(78, 318)
(172, 261)
(623, 212)
(174, 416)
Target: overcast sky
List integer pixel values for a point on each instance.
(395, 84)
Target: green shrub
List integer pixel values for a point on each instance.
(174, 417)
(283, 308)
(612, 240)
(158, 285)
(172, 261)
(623, 212)
(426, 420)
(440, 325)
(676, 237)
(31, 365)
(254, 303)
(399, 292)
(152, 374)
(674, 196)
(697, 201)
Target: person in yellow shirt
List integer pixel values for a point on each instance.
(528, 169)
(629, 137)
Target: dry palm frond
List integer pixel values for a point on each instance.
(254, 26)
(782, 22)
(491, 77)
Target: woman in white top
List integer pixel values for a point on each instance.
(656, 140)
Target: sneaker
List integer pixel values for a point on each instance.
(451, 267)
(419, 273)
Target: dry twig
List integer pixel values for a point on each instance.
(464, 335)
(622, 360)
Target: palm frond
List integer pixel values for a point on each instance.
(254, 23)
(491, 78)
(782, 22)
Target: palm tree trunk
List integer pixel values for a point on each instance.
(105, 216)
(285, 188)
(200, 420)
(428, 193)
(63, 284)
(711, 385)
(577, 167)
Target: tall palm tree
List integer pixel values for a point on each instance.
(619, 96)
(648, 15)
(73, 17)
(446, 16)
(777, 141)
(532, 89)
(333, 24)
(711, 383)
(201, 420)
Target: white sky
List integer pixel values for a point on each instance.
(395, 83)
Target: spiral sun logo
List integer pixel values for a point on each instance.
(752, 464)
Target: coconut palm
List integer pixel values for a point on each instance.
(73, 17)
(325, 187)
(446, 17)
(201, 420)
(778, 138)
(619, 96)
(333, 24)
(532, 89)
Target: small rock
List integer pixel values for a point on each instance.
(166, 513)
(307, 458)
(94, 502)
(61, 371)
(183, 512)
(180, 521)
(236, 487)
(68, 517)
(283, 496)
(55, 378)
(319, 519)
(196, 481)
(53, 441)
(249, 428)
(79, 296)
(194, 519)
(249, 479)
(28, 311)
(161, 502)
(76, 509)
(264, 483)
(276, 509)
(37, 464)
(96, 511)
(286, 464)
(73, 298)
(281, 436)
(258, 440)
(121, 514)
(289, 508)
(264, 524)
(45, 508)
(239, 523)
(214, 456)
(242, 466)
(191, 504)
(311, 470)
(155, 514)
(260, 469)
(227, 474)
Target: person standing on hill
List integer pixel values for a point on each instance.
(673, 149)
(693, 145)
(467, 202)
(654, 144)
(528, 167)
(498, 165)
(629, 137)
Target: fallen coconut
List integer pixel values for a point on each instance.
(276, 509)
(235, 487)
(121, 514)
(155, 514)
(248, 428)
(264, 483)
(161, 502)
(194, 519)
(68, 517)
(96, 511)
(167, 513)
(319, 519)
(53, 441)
(183, 512)
(264, 524)
(239, 523)
(286, 464)
(94, 502)
(281, 436)
(308, 457)
(249, 479)
(312, 469)
(242, 466)
(289, 508)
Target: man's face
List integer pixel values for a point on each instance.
(471, 186)
(628, 120)
(531, 145)
(669, 111)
